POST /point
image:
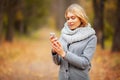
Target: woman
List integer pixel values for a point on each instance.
(76, 46)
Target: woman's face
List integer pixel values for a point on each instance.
(73, 21)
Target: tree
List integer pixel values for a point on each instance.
(58, 9)
(116, 37)
(98, 6)
(19, 22)
(2, 2)
(11, 11)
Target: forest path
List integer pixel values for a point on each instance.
(30, 59)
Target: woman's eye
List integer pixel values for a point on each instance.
(73, 17)
(67, 18)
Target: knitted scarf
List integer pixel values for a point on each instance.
(78, 34)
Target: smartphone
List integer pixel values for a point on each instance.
(52, 34)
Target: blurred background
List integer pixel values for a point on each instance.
(24, 37)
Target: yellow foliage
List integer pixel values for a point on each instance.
(19, 15)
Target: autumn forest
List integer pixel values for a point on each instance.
(25, 52)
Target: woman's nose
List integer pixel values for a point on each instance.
(70, 23)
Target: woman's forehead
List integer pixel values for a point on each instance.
(70, 14)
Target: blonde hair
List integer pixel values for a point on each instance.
(79, 12)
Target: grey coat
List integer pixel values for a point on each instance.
(76, 63)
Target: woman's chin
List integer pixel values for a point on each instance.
(72, 28)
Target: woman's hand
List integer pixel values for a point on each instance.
(56, 46)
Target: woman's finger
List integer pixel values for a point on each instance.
(55, 44)
(58, 43)
(54, 40)
(54, 47)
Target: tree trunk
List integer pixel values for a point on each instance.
(11, 6)
(10, 27)
(58, 9)
(98, 21)
(116, 37)
(102, 22)
(19, 24)
(60, 14)
(69, 2)
(1, 17)
(1, 26)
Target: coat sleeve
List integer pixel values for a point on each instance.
(82, 61)
(56, 58)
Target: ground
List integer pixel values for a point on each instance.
(30, 59)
